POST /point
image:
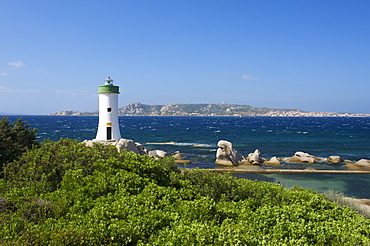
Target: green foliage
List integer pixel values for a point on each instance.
(66, 193)
(15, 138)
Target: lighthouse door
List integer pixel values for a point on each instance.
(109, 133)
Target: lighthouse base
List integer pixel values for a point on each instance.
(120, 144)
(129, 145)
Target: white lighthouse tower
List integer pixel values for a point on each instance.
(108, 128)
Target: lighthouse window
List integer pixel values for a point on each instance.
(109, 109)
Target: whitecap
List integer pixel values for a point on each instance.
(182, 144)
(202, 145)
(164, 143)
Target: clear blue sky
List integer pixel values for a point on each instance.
(312, 55)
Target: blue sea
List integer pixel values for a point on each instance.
(197, 137)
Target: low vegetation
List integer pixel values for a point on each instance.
(65, 193)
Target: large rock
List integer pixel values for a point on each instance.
(273, 161)
(363, 163)
(177, 155)
(255, 158)
(88, 143)
(227, 155)
(303, 157)
(157, 153)
(142, 149)
(127, 144)
(335, 159)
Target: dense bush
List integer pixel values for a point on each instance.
(65, 193)
(15, 138)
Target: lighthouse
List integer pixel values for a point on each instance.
(108, 128)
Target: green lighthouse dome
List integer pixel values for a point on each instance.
(108, 87)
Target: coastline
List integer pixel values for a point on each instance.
(217, 109)
(272, 115)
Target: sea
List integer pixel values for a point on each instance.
(197, 137)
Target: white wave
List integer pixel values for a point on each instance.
(302, 132)
(182, 144)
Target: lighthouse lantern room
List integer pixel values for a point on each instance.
(108, 128)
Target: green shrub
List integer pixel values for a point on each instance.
(15, 138)
(66, 193)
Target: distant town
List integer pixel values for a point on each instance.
(220, 109)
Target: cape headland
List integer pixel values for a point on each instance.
(202, 109)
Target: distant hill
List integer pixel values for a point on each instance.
(203, 109)
(179, 109)
(75, 113)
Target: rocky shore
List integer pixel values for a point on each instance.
(227, 155)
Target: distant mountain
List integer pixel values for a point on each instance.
(179, 109)
(203, 109)
(75, 113)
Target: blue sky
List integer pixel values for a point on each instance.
(312, 55)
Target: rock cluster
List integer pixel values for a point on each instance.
(129, 145)
(227, 155)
